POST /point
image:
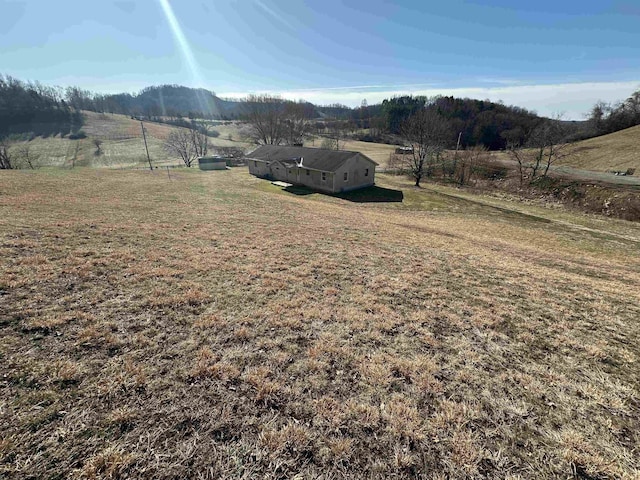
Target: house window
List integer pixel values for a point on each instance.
(308, 172)
(346, 176)
(289, 171)
(366, 172)
(324, 176)
(255, 164)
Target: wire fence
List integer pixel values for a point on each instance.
(153, 167)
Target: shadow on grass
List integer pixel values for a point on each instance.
(363, 195)
(372, 195)
(299, 190)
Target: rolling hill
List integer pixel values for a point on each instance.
(615, 151)
(122, 143)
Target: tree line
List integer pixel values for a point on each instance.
(50, 108)
(35, 109)
(46, 108)
(155, 101)
(481, 122)
(464, 123)
(607, 118)
(474, 122)
(431, 126)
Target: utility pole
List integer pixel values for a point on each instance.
(455, 156)
(145, 145)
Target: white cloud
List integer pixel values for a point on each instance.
(573, 100)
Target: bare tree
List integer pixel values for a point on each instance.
(24, 156)
(597, 116)
(329, 143)
(468, 162)
(552, 144)
(200, 137)
(336, 133)
(266, 116)
(98, 144)
(296, 122)
(5, 157)
(180, 143)
(542, 147)
(274, 121)
(190, 142)
(428, 134)
(13, 156)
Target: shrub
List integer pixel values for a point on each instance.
(78, 135)
(491, 171)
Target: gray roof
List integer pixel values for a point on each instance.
(315, 158)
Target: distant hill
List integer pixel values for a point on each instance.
(616, 151)
(40, 110)
(169, 100)
(173, 101)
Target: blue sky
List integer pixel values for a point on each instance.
(549, 56)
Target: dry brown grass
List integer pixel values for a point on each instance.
(616, 151)
(122, 143)
(211, 326)
(378, 152)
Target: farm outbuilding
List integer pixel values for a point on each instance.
(331, 171)
(212, 163)
(404, 150)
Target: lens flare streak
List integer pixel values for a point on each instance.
(185, 50)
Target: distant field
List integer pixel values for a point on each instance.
(123, 146)
(614, 152)
(211, 325)
(378, 152)
(617, 151)
(122, 143)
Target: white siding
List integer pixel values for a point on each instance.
(360, 173)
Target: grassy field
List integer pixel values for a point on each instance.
(613, 152)
(123, 147)
(616, 151)
(210, 325)
(378, 152)
(122, 143)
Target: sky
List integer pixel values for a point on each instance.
(553, 57)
